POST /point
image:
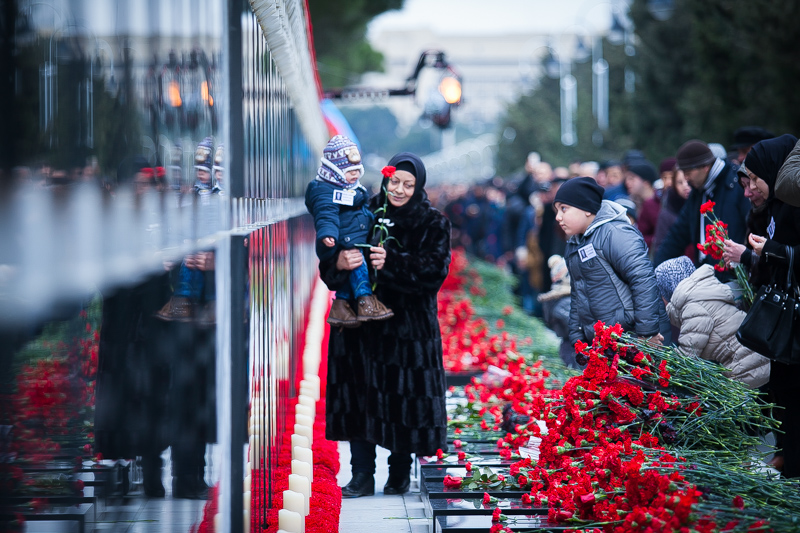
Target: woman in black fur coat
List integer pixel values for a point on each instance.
(386, 381)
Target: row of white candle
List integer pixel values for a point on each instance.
(296, 500)
(291, 519)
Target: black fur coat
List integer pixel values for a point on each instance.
(386, 381)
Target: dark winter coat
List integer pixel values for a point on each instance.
(155, 379)
(386, 381)
(347, 224)
(131, 411)
(618, 284)
(731, 207)
(670, 207)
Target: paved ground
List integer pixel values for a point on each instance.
(379, 513)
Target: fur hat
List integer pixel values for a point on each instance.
(203, 155)
(671, 272)
(340, 156)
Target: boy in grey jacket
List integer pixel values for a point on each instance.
(611, 276)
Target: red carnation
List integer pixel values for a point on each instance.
(388, 171)
(705, 208)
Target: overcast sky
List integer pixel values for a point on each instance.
(497, 16)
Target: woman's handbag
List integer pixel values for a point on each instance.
(772, 326)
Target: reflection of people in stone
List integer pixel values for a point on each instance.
(133, 370)
(194, 297)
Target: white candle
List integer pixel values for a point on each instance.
(304, 410)
(248, 483)
(308, 401)
(246, 520)
(290, 521)
(304, 420)
(303, 454)
(312, 378)
(302, 468)
(217, 522)
(309, 389)
(300, 440)
(300, 484)
(247, 499)
(294, 501)
(305, 431)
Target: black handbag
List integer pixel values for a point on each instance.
(772, 326)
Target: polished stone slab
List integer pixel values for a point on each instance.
(475, 506)
(482, 524)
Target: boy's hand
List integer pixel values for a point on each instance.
(329, 242)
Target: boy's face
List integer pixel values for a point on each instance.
(572, 220)
(203, 176)
(351, 176)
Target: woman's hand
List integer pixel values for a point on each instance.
(655, 340)
(349, 259)
(377, 257)
(757, 242)
(732, 252)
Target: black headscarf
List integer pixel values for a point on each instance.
(419, 200)
(766, 158)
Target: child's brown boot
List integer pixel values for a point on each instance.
(342, 315)
(177, 309)
(370, 308)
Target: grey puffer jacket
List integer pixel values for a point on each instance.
(704, 310)
(787, 186)
(613, 279)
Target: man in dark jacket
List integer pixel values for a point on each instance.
(711, 179)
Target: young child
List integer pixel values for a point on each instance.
(338, 203)
(194, 298)
(705, 311)
(612, 279)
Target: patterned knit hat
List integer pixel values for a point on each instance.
(559, 277)
(340, 156)
(670, 273)
(219, 158)
(203, 155)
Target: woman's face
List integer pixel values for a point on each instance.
(400, 188)
(753, 193)
(682, 186)
(756, 184)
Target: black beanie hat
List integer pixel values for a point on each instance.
(693, 154)
(645, 170)
(583, 193)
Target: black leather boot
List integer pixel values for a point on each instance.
(362, 484)
(397, 483)
(151, 476)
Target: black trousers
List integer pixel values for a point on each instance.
(362, 459)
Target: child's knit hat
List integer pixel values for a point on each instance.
(670, 273)
(340, 156)
(583, 193)
(203, 159)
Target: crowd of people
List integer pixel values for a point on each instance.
(626, 242)
(622, 242)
